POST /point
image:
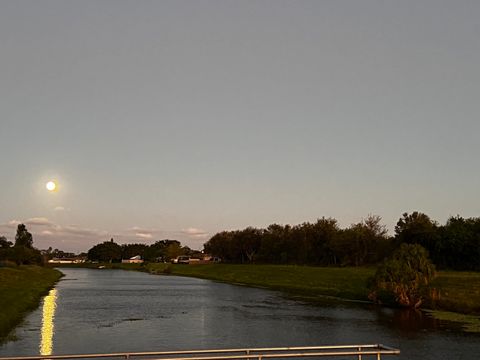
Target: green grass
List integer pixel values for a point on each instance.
(21, 289)
(346, 283)
(459, 291)
(469, 323)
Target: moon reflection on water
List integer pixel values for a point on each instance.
(48, 315)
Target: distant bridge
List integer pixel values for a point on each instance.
(360, 352)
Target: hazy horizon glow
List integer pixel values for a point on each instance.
(178, 119)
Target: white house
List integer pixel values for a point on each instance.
(66, 261)
(133, 260)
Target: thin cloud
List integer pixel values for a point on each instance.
(195, 232)
(77, 231)
(8, 228)
(40, 221)
(139, 229)
(134, 228)
(59, 208)
(76, 238)
(46, 233)
(143, 235)
(12, 223)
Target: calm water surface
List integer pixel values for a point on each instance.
(93, 311)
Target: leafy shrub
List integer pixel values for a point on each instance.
(404, 278)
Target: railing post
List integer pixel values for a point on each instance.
(379, 356)
(359, 355)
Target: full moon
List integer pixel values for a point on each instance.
(51, 186)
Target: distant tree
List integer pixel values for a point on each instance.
(416, 228)
(174, 250)
(23, 255)
(158, 250)
(325, 233)
(4, 243)
(459, 244)
(274, 246)
(363, 243)
(404, 278)
(108, 251)
(23, 237)
(5, 249)
(249, 241)
(221, 245)
(131, 250)
(23, 251)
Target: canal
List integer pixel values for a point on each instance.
(93, 311)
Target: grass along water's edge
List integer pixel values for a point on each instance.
(459, 291)
(342, 283)
(21, 289)
(469, 323)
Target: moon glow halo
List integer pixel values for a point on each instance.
(51, 186)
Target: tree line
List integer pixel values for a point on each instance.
(22, 251)
(162, 250)
(453, 245)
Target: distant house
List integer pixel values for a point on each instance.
(184, 259)
(210, 258)
(133, 260)
(76, 260)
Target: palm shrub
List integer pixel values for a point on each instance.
(404, 278)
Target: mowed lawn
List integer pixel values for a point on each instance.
(459, 291)
(348, 283)
(21, 289)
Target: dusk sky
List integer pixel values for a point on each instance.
(178, 119)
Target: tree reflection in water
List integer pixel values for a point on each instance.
(407, 320)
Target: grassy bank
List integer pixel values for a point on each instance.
(347, 283)
(21, 289)
(459, 291)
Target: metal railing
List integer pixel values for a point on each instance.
(360, 352)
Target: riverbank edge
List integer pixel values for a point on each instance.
(21, 291)
(303, 282)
